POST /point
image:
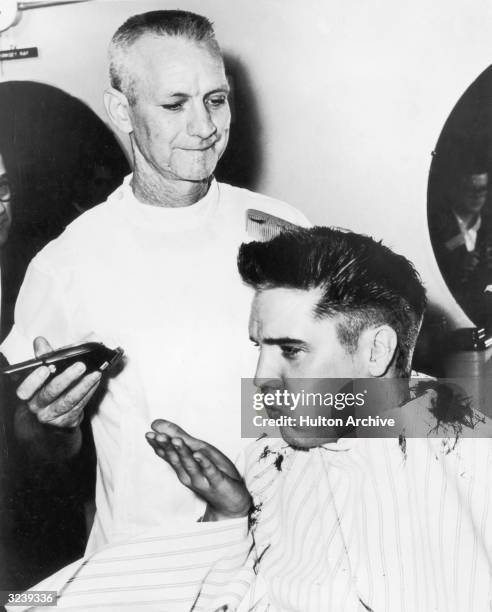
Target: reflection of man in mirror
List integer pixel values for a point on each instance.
(472, 196)
(5, 223)
(461, 238)
(5, 203)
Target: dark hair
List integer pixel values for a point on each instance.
(159, 23)
(361, 280)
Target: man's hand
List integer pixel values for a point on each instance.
(61, 401)
(203, 469)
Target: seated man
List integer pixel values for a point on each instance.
(335, 523)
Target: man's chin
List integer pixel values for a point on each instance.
(200, 176)
(196, 178)
(196, 167)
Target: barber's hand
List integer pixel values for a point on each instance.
(203, 469)
(61, 401)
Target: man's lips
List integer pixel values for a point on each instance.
(273, 412)
(200, 149)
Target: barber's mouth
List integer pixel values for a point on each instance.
(201, 149)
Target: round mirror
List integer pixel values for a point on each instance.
(459, 201)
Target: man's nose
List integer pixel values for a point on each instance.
(3, 209)
(200, 123)
(267, 373)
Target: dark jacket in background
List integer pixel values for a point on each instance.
(467, 273)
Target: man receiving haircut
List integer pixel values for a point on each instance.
(313, 521)
(150, 270)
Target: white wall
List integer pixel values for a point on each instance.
(352, 95)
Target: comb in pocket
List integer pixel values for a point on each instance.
(262, 226)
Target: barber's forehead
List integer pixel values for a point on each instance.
(151, 50)
(160, 65)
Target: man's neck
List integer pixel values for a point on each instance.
(155, 190)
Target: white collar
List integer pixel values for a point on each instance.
(157, 218)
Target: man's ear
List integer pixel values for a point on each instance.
(118, 109)
(380, 345)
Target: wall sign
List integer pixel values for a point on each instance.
(12, 54)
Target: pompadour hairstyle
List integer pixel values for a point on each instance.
(361, 280)
(158, 23)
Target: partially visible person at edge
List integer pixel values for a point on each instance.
(6, 195)
(33, 543)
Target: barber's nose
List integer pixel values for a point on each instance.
(3, 209)
(201, 123)
(267, 373)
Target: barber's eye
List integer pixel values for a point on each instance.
(290, 352)
(217, 101)
(176, 106)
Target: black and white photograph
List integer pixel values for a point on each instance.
(245, 306)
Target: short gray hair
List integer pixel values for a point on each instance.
(158, 23)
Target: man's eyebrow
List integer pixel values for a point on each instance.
(222, 89)
(285, 340)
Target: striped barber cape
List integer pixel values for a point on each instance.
(356, 525)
